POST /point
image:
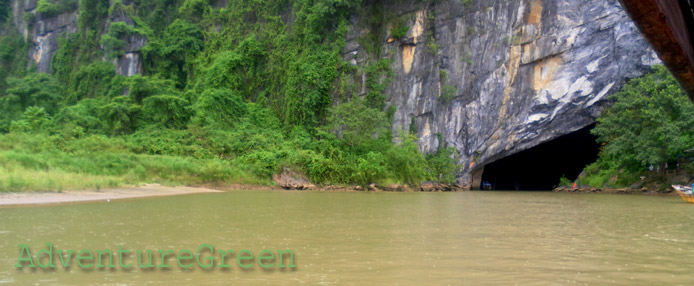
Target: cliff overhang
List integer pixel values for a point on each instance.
(668, 26)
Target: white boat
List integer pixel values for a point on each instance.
(683, 189)
(685, 193)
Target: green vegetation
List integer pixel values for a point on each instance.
(448, 91)
(400, 31)
(228, 95)
(52, 8)
(39, 162)
(432, 46)
(650, 124)
(443, 163)
(13, 48)
(564, 182)
(467, 59)
(5, 10)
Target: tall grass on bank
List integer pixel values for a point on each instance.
(34, 163)
(26, 180)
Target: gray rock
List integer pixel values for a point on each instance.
(45, 32)
(519, 73)
(292, 180)
(525, 72)
(44, 35)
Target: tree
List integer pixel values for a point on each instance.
(120, 115)
(443, 165)
(46, 7)
(4, 11)
(166, 110)
(650, 123)
(195, 9)
(172, 55)
(33, 119)
(35, 89)
(220, 108)
(356, 123)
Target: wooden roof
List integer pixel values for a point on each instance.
(668, 26)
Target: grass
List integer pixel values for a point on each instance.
(40, 163)
(27, 180)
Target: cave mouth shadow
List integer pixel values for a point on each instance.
(540, 168)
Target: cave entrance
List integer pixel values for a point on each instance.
(541, 167)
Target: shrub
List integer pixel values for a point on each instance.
(220, 108)
(564, 182)
(120, 115)
(32, 121)
(171, 111)
(400, 31)
(443, 164)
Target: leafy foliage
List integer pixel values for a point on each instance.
(4, 11)
(219, 108)
(33, 120)
(91, 81)
(356, 123)
(564, 182)
(195, 9)
(246, 89)
(650, 123)
(52, 8)
(400, 31)
(120, 115)
(443, 164)
(39, 90)
(172, 55)
(113, 41)
(12, 57)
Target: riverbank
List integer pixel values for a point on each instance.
(155, 190)
(105, 195)
(623, 191)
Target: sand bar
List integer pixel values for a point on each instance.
(106, 195)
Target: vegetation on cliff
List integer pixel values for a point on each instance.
(228, 94)
(648, 129)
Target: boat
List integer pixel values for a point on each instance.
(681, 188)
(684, 192)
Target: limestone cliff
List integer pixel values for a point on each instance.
(490, 78)
(497, 77)
(43, 32)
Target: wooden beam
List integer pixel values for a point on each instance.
(668, 29)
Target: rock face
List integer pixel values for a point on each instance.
(490, 78)
(496, 77)
(291, 180)
(44, 33)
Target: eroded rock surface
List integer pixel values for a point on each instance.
(490, 78)
(497, 77)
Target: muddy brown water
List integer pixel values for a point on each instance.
(467, 238)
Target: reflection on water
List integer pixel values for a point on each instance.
(375, 238)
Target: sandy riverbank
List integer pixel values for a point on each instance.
(106, 195)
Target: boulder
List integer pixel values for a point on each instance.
(394, 188)
(427, 187)
(373, 188)
(291, 180)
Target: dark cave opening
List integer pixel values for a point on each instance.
(541, 167)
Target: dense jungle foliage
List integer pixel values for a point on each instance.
(230, 93)
(648, 130)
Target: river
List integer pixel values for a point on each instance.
(360, 238)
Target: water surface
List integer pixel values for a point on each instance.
(470, 238)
